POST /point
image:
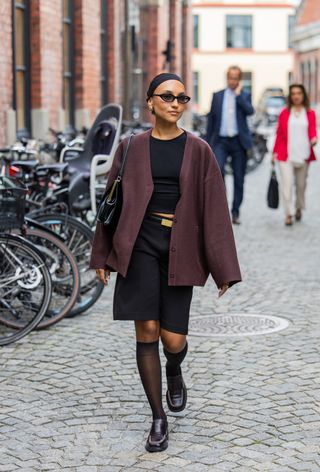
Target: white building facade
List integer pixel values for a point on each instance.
(253, 34)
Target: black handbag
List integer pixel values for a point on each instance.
(110, 205)
(273, 191)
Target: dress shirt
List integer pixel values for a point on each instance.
(229, 126)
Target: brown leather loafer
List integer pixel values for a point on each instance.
(176, 394)
(158, 437)
(236, 220)
(288, 221)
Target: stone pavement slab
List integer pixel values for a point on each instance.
(70, 396)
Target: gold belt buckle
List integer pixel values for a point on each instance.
(166, 222)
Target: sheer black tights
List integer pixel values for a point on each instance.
(148, 361)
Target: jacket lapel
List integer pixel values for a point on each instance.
(143, 153)
(186, 164)
(219, 111)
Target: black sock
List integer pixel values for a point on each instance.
(148, 361)
(174, 360)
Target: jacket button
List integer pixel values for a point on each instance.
(173, 249)
(171, 276)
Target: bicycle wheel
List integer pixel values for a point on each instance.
(25, 288)
(64, 274)
(78, 238)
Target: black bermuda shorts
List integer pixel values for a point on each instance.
(144, 294)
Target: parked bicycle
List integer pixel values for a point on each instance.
(25, 281)
(55, 195)
(62, 265)
(63, 258)
(78, 238)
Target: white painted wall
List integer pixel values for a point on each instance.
(270, 61)
(270, 29)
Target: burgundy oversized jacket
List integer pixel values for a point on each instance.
(202, 240)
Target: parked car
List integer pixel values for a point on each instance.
(269, 107)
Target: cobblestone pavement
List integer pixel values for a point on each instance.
(71, 399)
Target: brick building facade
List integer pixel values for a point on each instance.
(306, 43)
(63, 60)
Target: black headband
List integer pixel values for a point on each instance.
(158, 79)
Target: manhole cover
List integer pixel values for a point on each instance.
(236, 324)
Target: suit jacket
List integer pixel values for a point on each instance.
(243, 109)
(201, 237)
(281, 142)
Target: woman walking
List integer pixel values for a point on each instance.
(293, 148)
(174, 229)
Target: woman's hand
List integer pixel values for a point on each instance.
(274, 158)
(103, 275)
(314, 141)
(223, 290)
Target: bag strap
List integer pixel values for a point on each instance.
(118, 179)
(124, 158)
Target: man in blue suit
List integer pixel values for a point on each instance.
(228, 133)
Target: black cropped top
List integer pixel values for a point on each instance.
(166, 159)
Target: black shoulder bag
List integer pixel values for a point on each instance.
(110, 206)
(273, 190)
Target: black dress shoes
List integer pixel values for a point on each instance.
(176, 394)
(236, 220)
(158, 437)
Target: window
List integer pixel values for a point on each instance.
(195, 96)
(68, 64)
(246, 81)
(132, 69)
(21, 67)
(291, 20)
(196, 31)
(104, 52)
(239, 31)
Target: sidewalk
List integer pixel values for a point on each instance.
(71, 399)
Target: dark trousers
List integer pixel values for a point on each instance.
(224, 148)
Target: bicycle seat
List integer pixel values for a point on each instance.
(82, 205)
(26, 165)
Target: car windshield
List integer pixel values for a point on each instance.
(276, 102)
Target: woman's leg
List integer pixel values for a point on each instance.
(286, 172)
(175, 348)
(148, 361)
(149, 366)
(301, 174)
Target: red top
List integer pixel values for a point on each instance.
(281, 144)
